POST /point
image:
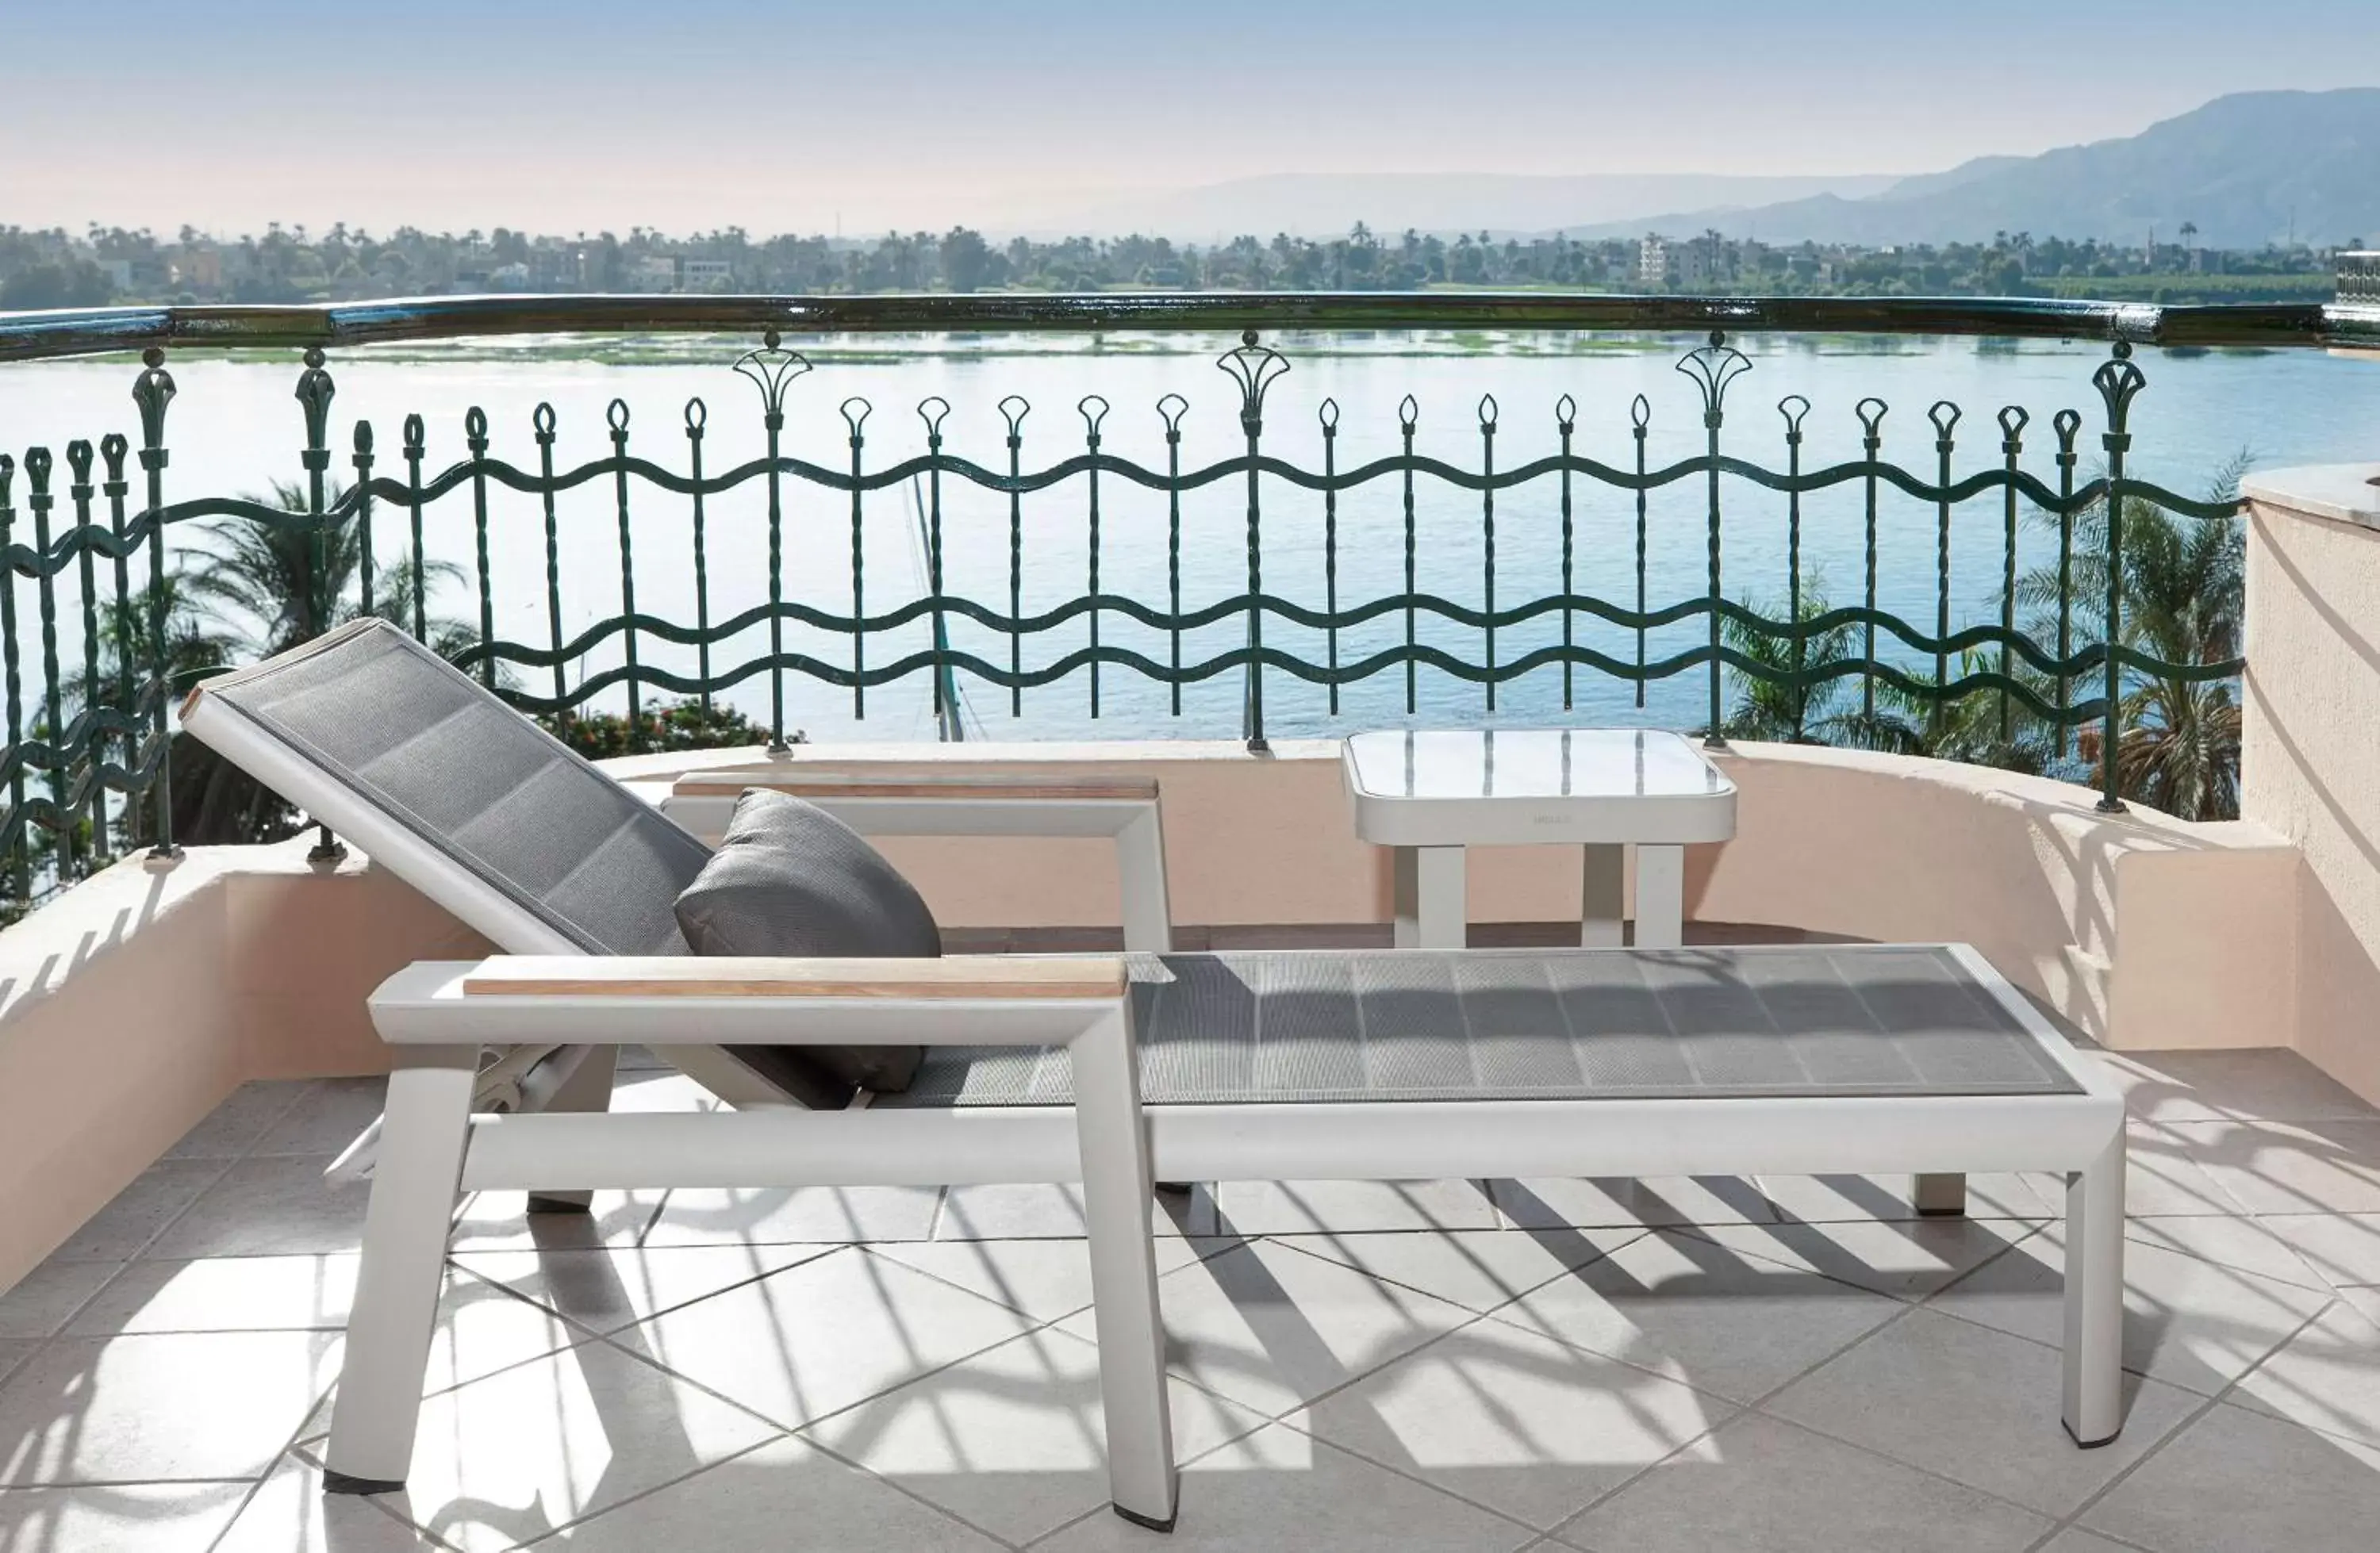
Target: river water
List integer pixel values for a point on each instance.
(235, 425)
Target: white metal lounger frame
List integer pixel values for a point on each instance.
(437, 1013)
(879, 805)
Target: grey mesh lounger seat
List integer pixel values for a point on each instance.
(1368, 1065)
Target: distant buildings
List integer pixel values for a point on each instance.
(2359, 275)
(1653, 260)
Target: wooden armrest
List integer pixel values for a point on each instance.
(952, 977)
(846, 784)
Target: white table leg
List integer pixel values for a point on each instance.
(1443, 907)
(2095, 1298)
(421, 1141)
(1114, 1141)
(1941, 1196)
(1405, 869)
(1603, 896)
(1140, 866)
(1660, 897)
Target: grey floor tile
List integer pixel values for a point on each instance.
(1045, 1280)
(786, 1496)
(326, 1117)
(1675, 1303)
(1005, 1211)
(522, 1452)
(787, 1215)
(2326, 1377)
(1279, 1487)
(278, 1205)
(2236, 1479)
(123, 1518)
(2074, 1539)
(2186, 1322)
(1521, 1424)
(2343, 1248)
(1836, 1199)
(1477, 1269)
(154, 1199)
(1271, 1327)
(818, 1337)
(41, 1302)
(1623, 1202)
(224, 1294)
(605, 1288)
(2163, 1176)
(2245, 1243)
(2264, 1084)
(2282, 1167)
(1977, 1407)
(1906, 1258)
(15, 1351)
(1012, 1441)
(236, 1126)
(482, 1329)
(1291, 1207)
(1761, 1484)
(152, 1409)
(290, 1513)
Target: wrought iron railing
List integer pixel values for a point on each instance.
(87, 766)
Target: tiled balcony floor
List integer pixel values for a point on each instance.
(1667, 1364)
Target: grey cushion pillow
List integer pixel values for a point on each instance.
(792, 880)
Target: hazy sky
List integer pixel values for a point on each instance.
(685, 114)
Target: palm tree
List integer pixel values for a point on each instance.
(1768, 706)
(259, 586)
(1901, 721)
(2183, 592)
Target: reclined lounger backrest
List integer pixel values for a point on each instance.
(468, 802)
(402, 730)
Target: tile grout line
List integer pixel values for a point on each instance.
(1757, 1406)
(124, 1263)
(2187, 1422)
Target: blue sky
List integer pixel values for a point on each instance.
(696, 113)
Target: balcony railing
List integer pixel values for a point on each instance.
(87, 768)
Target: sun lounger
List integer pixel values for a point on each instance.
(1101, 1070)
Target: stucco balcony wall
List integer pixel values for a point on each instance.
(2310, 740)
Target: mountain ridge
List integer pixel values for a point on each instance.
(2245, 169)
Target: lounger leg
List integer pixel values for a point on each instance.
(1443, 908)
(1941, 1196)
(423, 1138)
(589, 1088)
(1660, 896)
(1140, 866)
(2095, 1298)
(1603, 897)
(1141, 1480)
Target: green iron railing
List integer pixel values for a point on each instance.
(87, 765)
